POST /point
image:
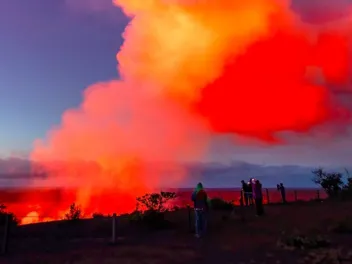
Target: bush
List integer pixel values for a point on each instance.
(74, 213)
(221, 205)
(98, 215)
(151, 208)
(4, 213)
(149, 218)
(154, 219)
(331, 182)
(135, 217)
(155, 201)
(335, 184)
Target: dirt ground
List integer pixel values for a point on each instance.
(229, 239)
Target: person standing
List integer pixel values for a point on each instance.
(282, 190)
(258, 197)
(250, 191)
(201, 207)
(245, 191)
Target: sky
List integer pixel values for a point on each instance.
(50, 51)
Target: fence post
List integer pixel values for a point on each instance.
(267, 196)
(296, 199)
(318, 195)
(113, 238)
(5, 241)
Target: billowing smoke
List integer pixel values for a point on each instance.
(113, 142)
(190, 69)
(244, 67)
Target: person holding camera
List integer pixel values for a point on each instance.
(247, 193)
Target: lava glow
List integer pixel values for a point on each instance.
(189, 70)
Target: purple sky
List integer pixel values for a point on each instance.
(51, 50)
(48, 54)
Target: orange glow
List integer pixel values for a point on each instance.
(189, 70)
(30, 218)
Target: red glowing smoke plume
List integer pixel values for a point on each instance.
(189, 69)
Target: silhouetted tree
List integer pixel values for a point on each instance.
(74, 213)
(151, 208)
(331, 182)
(155, 201)
(4, 213)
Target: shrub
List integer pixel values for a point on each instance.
(220, 204)
(154, 219)
(153, 209)
(98, 215)
(74, 213)
(4, 213)
(155, 201)
(331, 182)
(135, 217)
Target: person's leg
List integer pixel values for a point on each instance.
(197, 222)
(246, 198)
(201, 219)
(201, 223)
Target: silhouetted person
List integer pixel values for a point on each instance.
(258, 197)
(250, 191)
(246, 190)
(281, 188)
(201, 207)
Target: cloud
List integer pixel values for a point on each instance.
(14, 166)
(217, 175)
(17, 172)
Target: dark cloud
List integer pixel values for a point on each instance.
(16, 169)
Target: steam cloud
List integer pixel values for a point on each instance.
(191, 69)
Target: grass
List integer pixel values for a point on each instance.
(298, 233)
